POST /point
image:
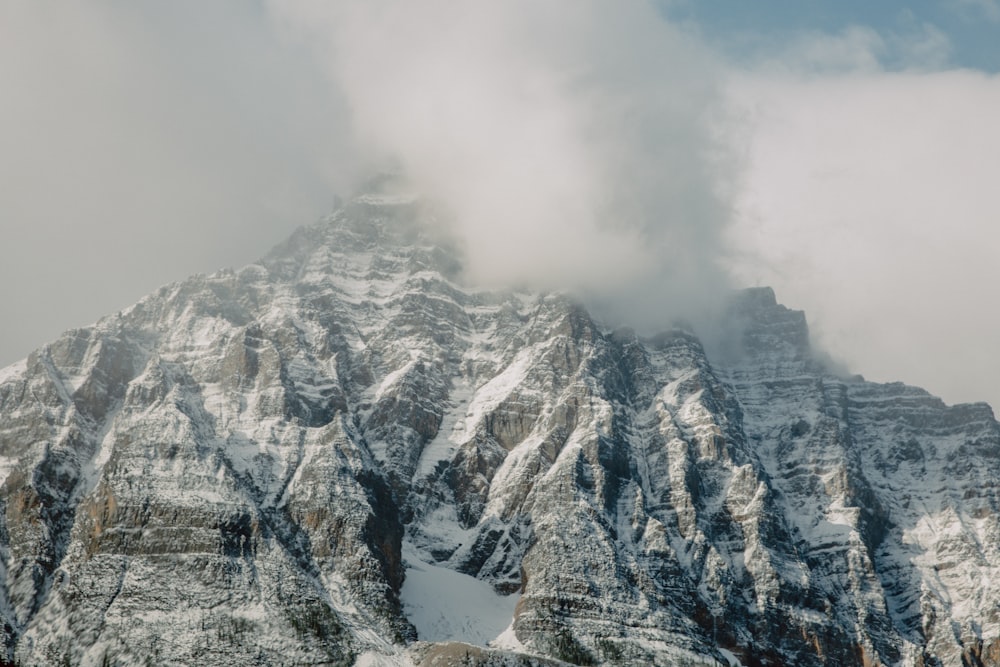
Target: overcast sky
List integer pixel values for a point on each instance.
(844, 152)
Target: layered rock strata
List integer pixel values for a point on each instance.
(241, 468)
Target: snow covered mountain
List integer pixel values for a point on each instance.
(338, 451)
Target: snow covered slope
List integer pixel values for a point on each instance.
(340, 450)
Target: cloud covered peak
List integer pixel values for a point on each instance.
(567, 144)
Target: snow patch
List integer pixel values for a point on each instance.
(7, 464)
(374, 659)
(10, 372)
(491, 394)
(445, 605)
(394, 377)
(448, 437)
(386, 199)
(732, 659)
(507, 640)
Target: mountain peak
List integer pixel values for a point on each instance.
(754, 298)
(325, 456)
(758, 329)
(381, 229)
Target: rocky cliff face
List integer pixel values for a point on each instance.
(328, 455)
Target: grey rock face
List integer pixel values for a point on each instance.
(240, 468)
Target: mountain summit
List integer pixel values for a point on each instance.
(341, 454)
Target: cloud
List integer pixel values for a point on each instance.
(572, 143)
(869, 200)
(974, 10)
(585, 144)
(912, 45)
(143, 141)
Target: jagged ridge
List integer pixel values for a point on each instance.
(239, 468)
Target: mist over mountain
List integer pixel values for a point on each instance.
(659, 149)
(527, 397)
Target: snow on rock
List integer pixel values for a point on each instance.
(10, 372)
(375, 659)
(340, 452)
(445, 605)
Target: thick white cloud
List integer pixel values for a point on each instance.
(579, 144)
(572, 142)
(870, 200)
(141, 142)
